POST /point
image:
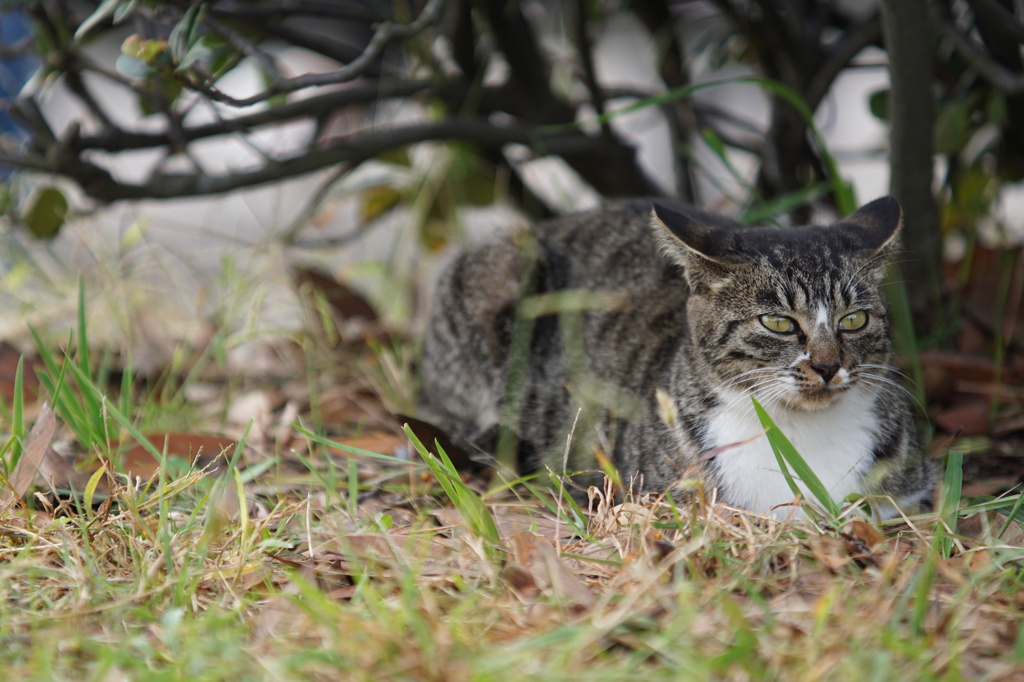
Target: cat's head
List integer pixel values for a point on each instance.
(797, 315)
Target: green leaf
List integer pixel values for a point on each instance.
(105, 10)
(90, 487)
(150, 51)
(398, 156)
(878, 104)
(378, 200)
(47, 214)
(131, 67)
(6, 198)
(995, 108)
(198, 50)
(951, 127)
(124, 11)
(185, 33)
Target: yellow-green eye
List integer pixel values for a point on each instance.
(854, 321)
(778, 324)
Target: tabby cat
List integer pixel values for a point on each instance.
(646, 329)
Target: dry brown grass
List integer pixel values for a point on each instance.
(175, 582)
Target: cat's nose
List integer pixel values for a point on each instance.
(826, 370)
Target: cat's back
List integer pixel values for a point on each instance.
(610, 247)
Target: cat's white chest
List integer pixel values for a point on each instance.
(835, 442)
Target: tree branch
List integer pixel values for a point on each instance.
(584, 49)
(680, 115)
(995, 73)
(351, 150)
(310, 107)
(333, 9)
(840, 56)
(386, 33)
(1008, 23)
(529, 77)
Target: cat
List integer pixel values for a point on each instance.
(644, 328)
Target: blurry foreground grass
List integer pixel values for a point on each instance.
(172, 581)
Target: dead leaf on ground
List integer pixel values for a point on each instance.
(982, 528)
(344, 404)
(538, 556)
(32, 456)
(342, 299)
(521, 580)
(9, 358)
(354, 319)
(379, 442)
(968, 417)
(988, 268)
(963, 367)
(200, 450)
(866, 533)
(278, 613)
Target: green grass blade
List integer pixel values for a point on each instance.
(786, 454)
(83, 336)
(17, 415)
(904, 336)
(127, 381)
(53, 377)
(1011, 515)
(92, 401)
(922, 585)
(96, 395)
(714, 141)
(327, 442)
(1018, 645)
(766, 211)
(949, 502)
(465, 500)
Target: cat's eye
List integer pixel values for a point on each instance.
(778, 323)
(854, 321)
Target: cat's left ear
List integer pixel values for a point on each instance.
(875, 226)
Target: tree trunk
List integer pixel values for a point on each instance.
(910, 43)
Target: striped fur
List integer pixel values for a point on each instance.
(624, 303)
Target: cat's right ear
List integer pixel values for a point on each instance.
(875, 226)
(707, 253)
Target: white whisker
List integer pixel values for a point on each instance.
(889, 385)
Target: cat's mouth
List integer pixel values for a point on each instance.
(817, 387)
(799, 392)
(818, 397)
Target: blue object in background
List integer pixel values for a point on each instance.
(14, 72)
